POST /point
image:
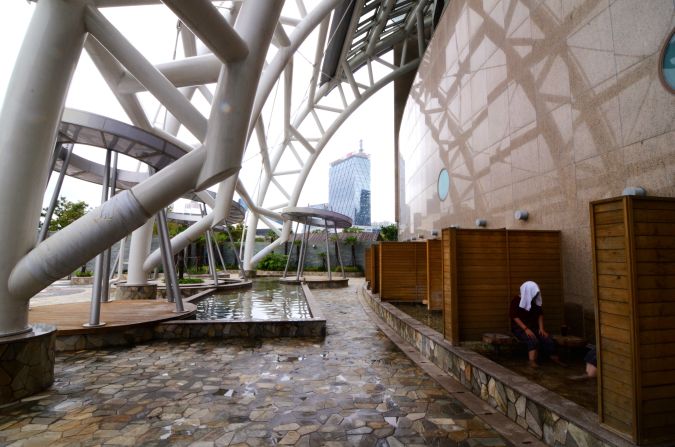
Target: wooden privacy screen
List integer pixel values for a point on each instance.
(403, 271)
(634, 266)
(483, 270)
(434, 275)
(375, 268)
(368, 260)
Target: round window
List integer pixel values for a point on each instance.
(668, 63)
(443, 184)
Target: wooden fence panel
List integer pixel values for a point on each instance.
(434, 275)
(375, 269)
(634, 266)
(368, 265)
(482, 275)
(450, 299)
(483, 270)
(398, 271)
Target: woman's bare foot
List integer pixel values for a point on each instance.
(533, 364)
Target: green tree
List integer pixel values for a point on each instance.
(352, 241)
(236, 231)
(353, 230)
(389, 232)
(65, 213)
(273, 261)
(271, 235)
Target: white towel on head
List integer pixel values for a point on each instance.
(528, 291)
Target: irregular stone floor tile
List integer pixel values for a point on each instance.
(352, 388)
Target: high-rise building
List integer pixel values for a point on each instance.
(349, 187)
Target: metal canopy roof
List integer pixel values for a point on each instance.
(78, 127)
(95, 130)
(372, 27)
(315, 216)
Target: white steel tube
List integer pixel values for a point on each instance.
(237, 84)
(28, 122)
(55, 195)
(179, 242)
(206, 22)
(145, 72)
(138, 250)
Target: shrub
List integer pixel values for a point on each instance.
(315, 268)
(190, 281)
(273, 262)
(85, 274)
(198, 270)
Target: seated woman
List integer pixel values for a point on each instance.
(527, 323)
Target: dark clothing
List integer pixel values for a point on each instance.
(546, 345)
(592, 357)
(529, 318)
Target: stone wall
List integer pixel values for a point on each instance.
(26, 363)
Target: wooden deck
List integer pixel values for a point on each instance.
(69, 318)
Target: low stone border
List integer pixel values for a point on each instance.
(317, 282)
(265, 273)
(99, 338)
(81, 280)
(551, 418)
(192, 291)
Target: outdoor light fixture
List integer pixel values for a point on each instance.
(521, 215)
(481, 222)
(634, 191)
(434, 233)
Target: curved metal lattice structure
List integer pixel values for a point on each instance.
(250, 49)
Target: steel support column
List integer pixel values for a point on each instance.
(28, 121)
(170, 281)
(55, 195)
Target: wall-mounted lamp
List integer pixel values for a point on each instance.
(420, 236)
(521, 215)
(313, 245)
(454, 226)
(434, 233)
(634, 191)
(481, 222)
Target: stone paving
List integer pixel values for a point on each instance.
(352, 388)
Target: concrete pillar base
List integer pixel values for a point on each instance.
(27, 363)
(136, 292)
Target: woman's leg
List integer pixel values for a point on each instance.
(549, 349)
(532, 345)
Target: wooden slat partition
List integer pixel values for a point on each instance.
(402, 271)
(450, 296)
(368, 261)
(634, 267)
(483, 270)
(375, 268)
(434, 275)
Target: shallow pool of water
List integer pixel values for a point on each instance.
(266, 300)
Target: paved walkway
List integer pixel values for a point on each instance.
(353, 388)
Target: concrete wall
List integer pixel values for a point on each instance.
(541, 106)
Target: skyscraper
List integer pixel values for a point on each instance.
(349, 187)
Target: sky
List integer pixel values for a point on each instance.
(372, 122)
